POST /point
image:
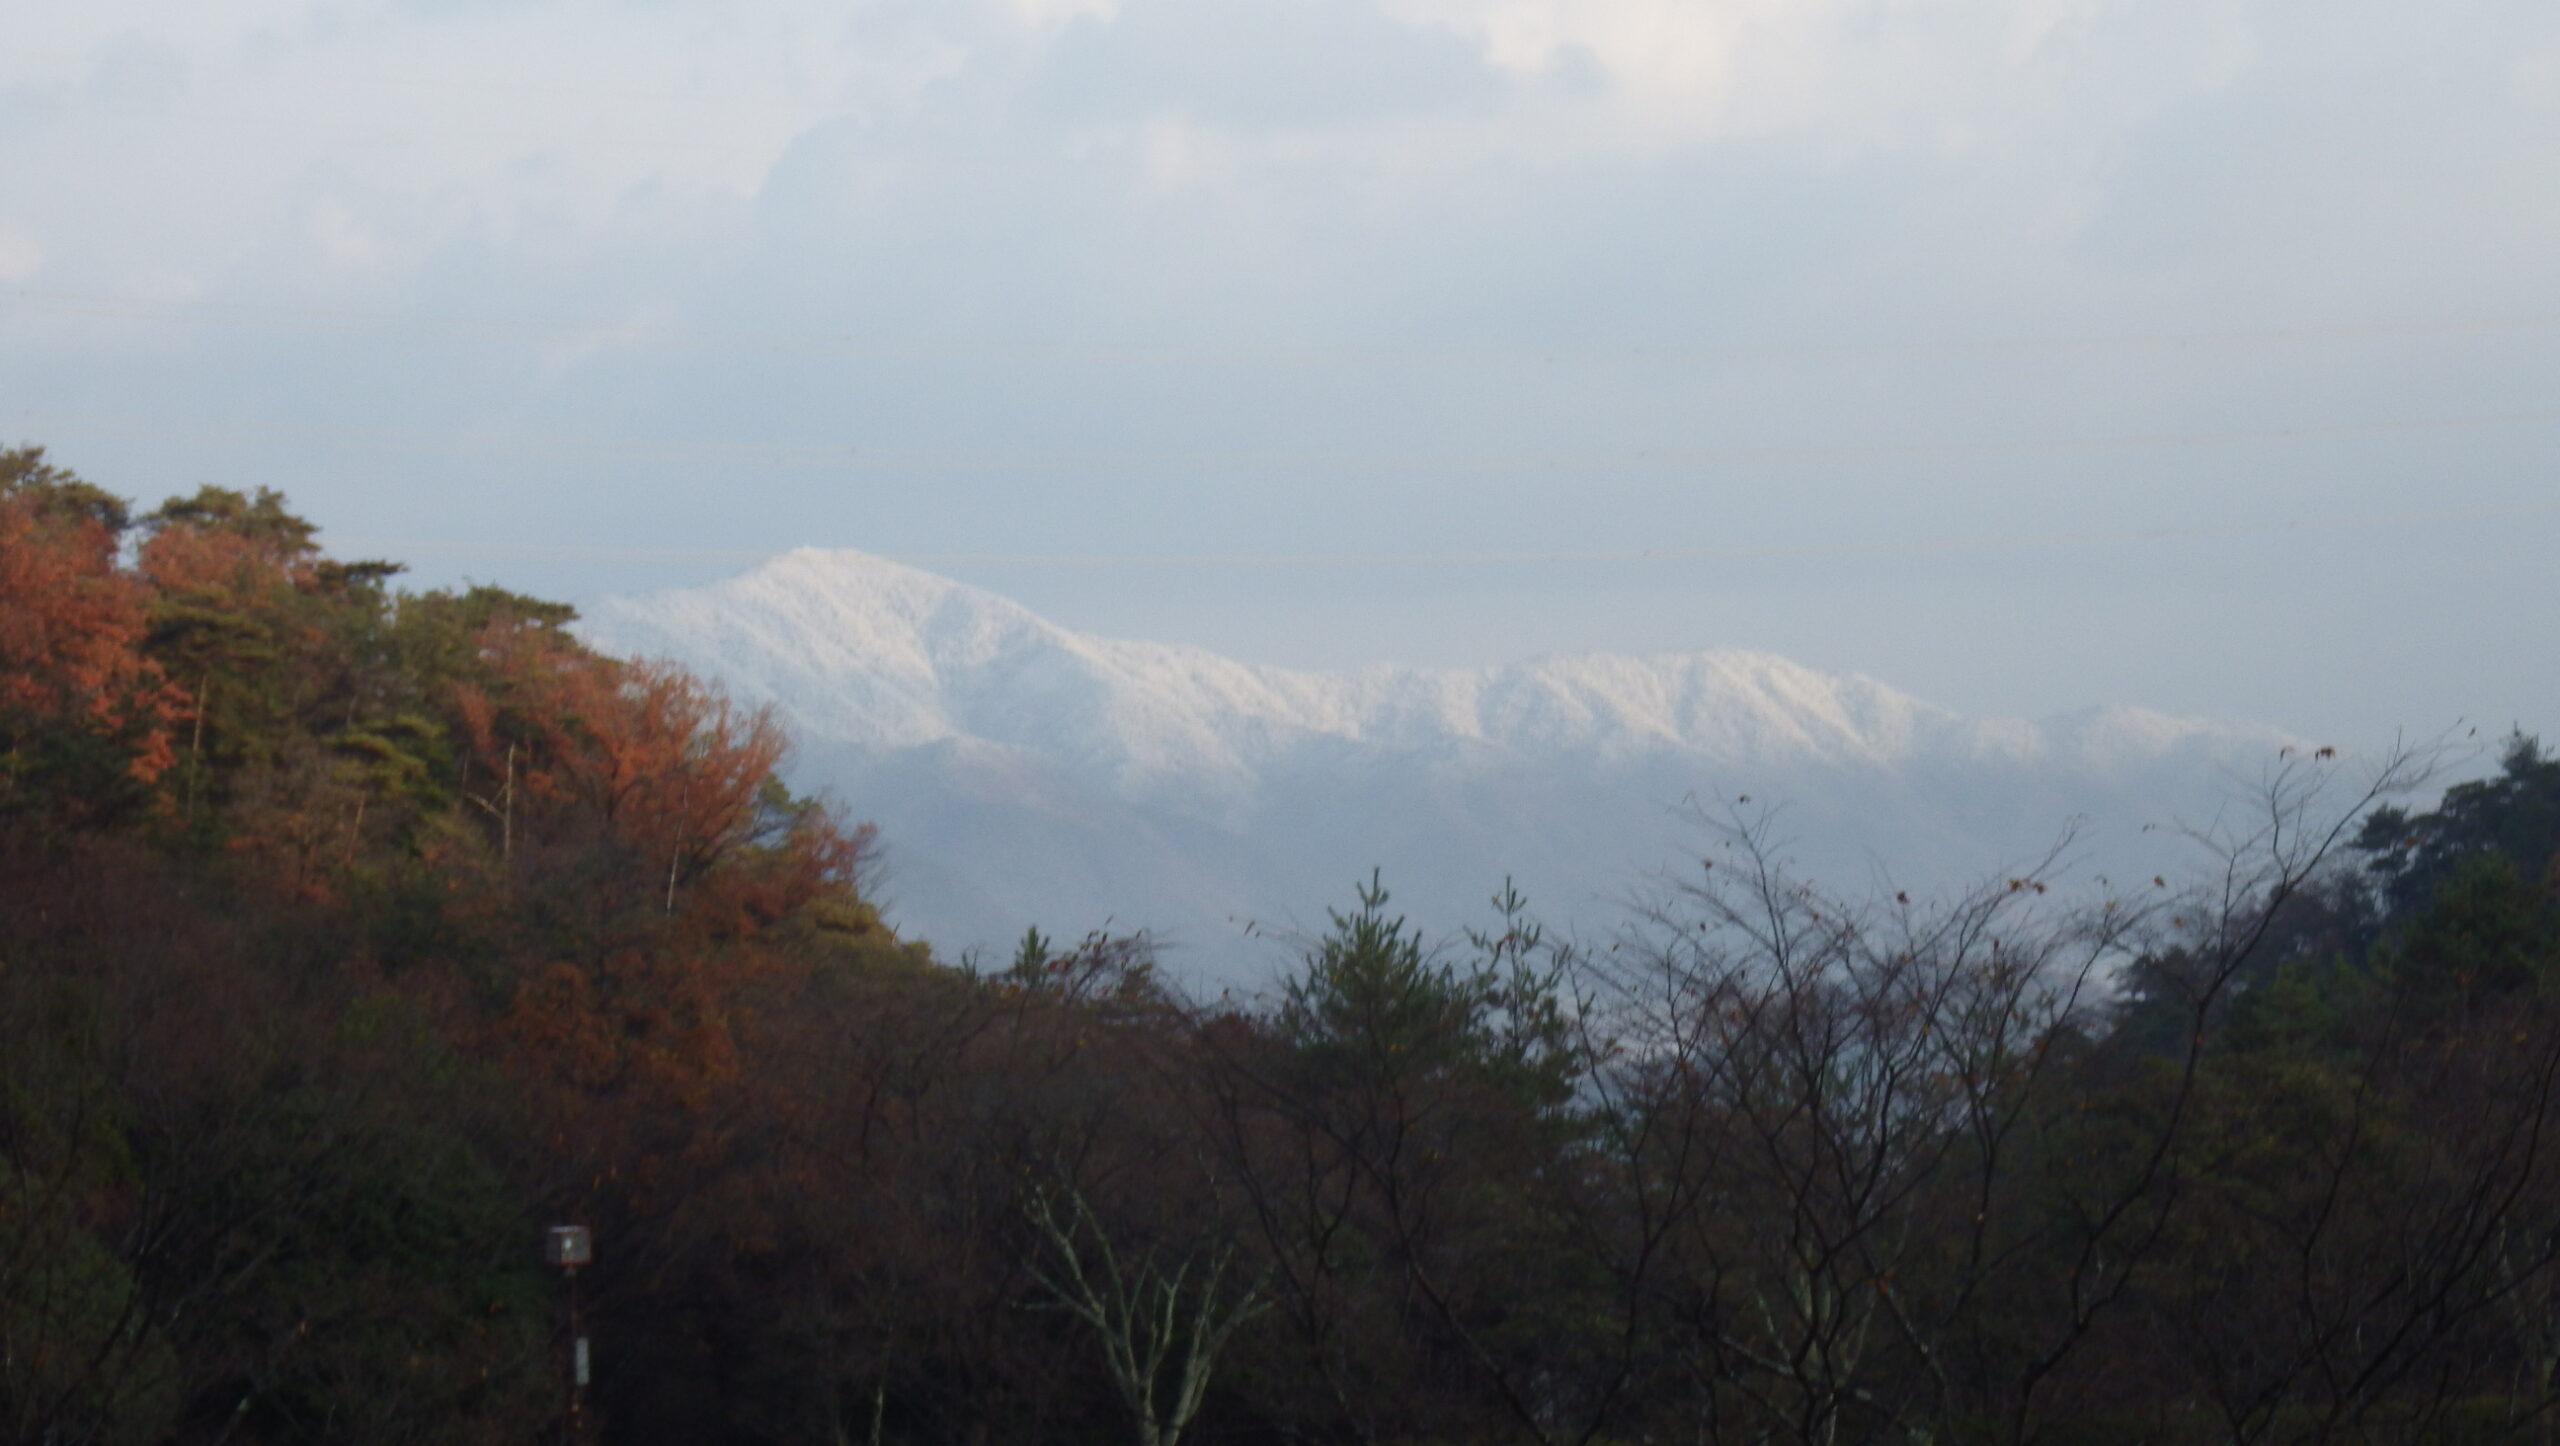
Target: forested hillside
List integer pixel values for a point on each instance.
(351, 936)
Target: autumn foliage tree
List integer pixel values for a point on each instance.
(634, 818)
(579, 876)
(86, 715)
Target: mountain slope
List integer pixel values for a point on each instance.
(1025, 773)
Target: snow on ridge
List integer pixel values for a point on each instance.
(1026, 774)
(863, 652)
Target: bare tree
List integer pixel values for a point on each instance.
(1864, 1191)
(1160, 1328)
(1813, 1102)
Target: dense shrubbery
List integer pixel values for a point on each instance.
(349, 936)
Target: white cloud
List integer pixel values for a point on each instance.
(20, 256)
(345, 242)
(1055, 14)
(1674, 74)
(160, 284)
(2535, 80)
(1178, 154)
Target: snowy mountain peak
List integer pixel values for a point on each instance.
(866, 652)
(846, 645)
(1029, 773)
(887, 611)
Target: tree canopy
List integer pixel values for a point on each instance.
(350, 936)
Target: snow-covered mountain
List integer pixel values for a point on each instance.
(1022, 773)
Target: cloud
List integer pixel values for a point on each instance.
(1672, 74)
(1055, 14)
(1050, 231)
(1283, 64)
(20, 256)
(344, 241)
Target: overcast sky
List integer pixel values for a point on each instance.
(2023, 354)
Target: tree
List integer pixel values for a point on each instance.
(1160, 1327)
(86, 719)
(2514, 816)
(1380, 1122)
(1824, 1115)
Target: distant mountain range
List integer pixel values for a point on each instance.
(1025, 774)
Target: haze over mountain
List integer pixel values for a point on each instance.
(1022, 773)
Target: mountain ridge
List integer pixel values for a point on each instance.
(964, 656)
(975, 730)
